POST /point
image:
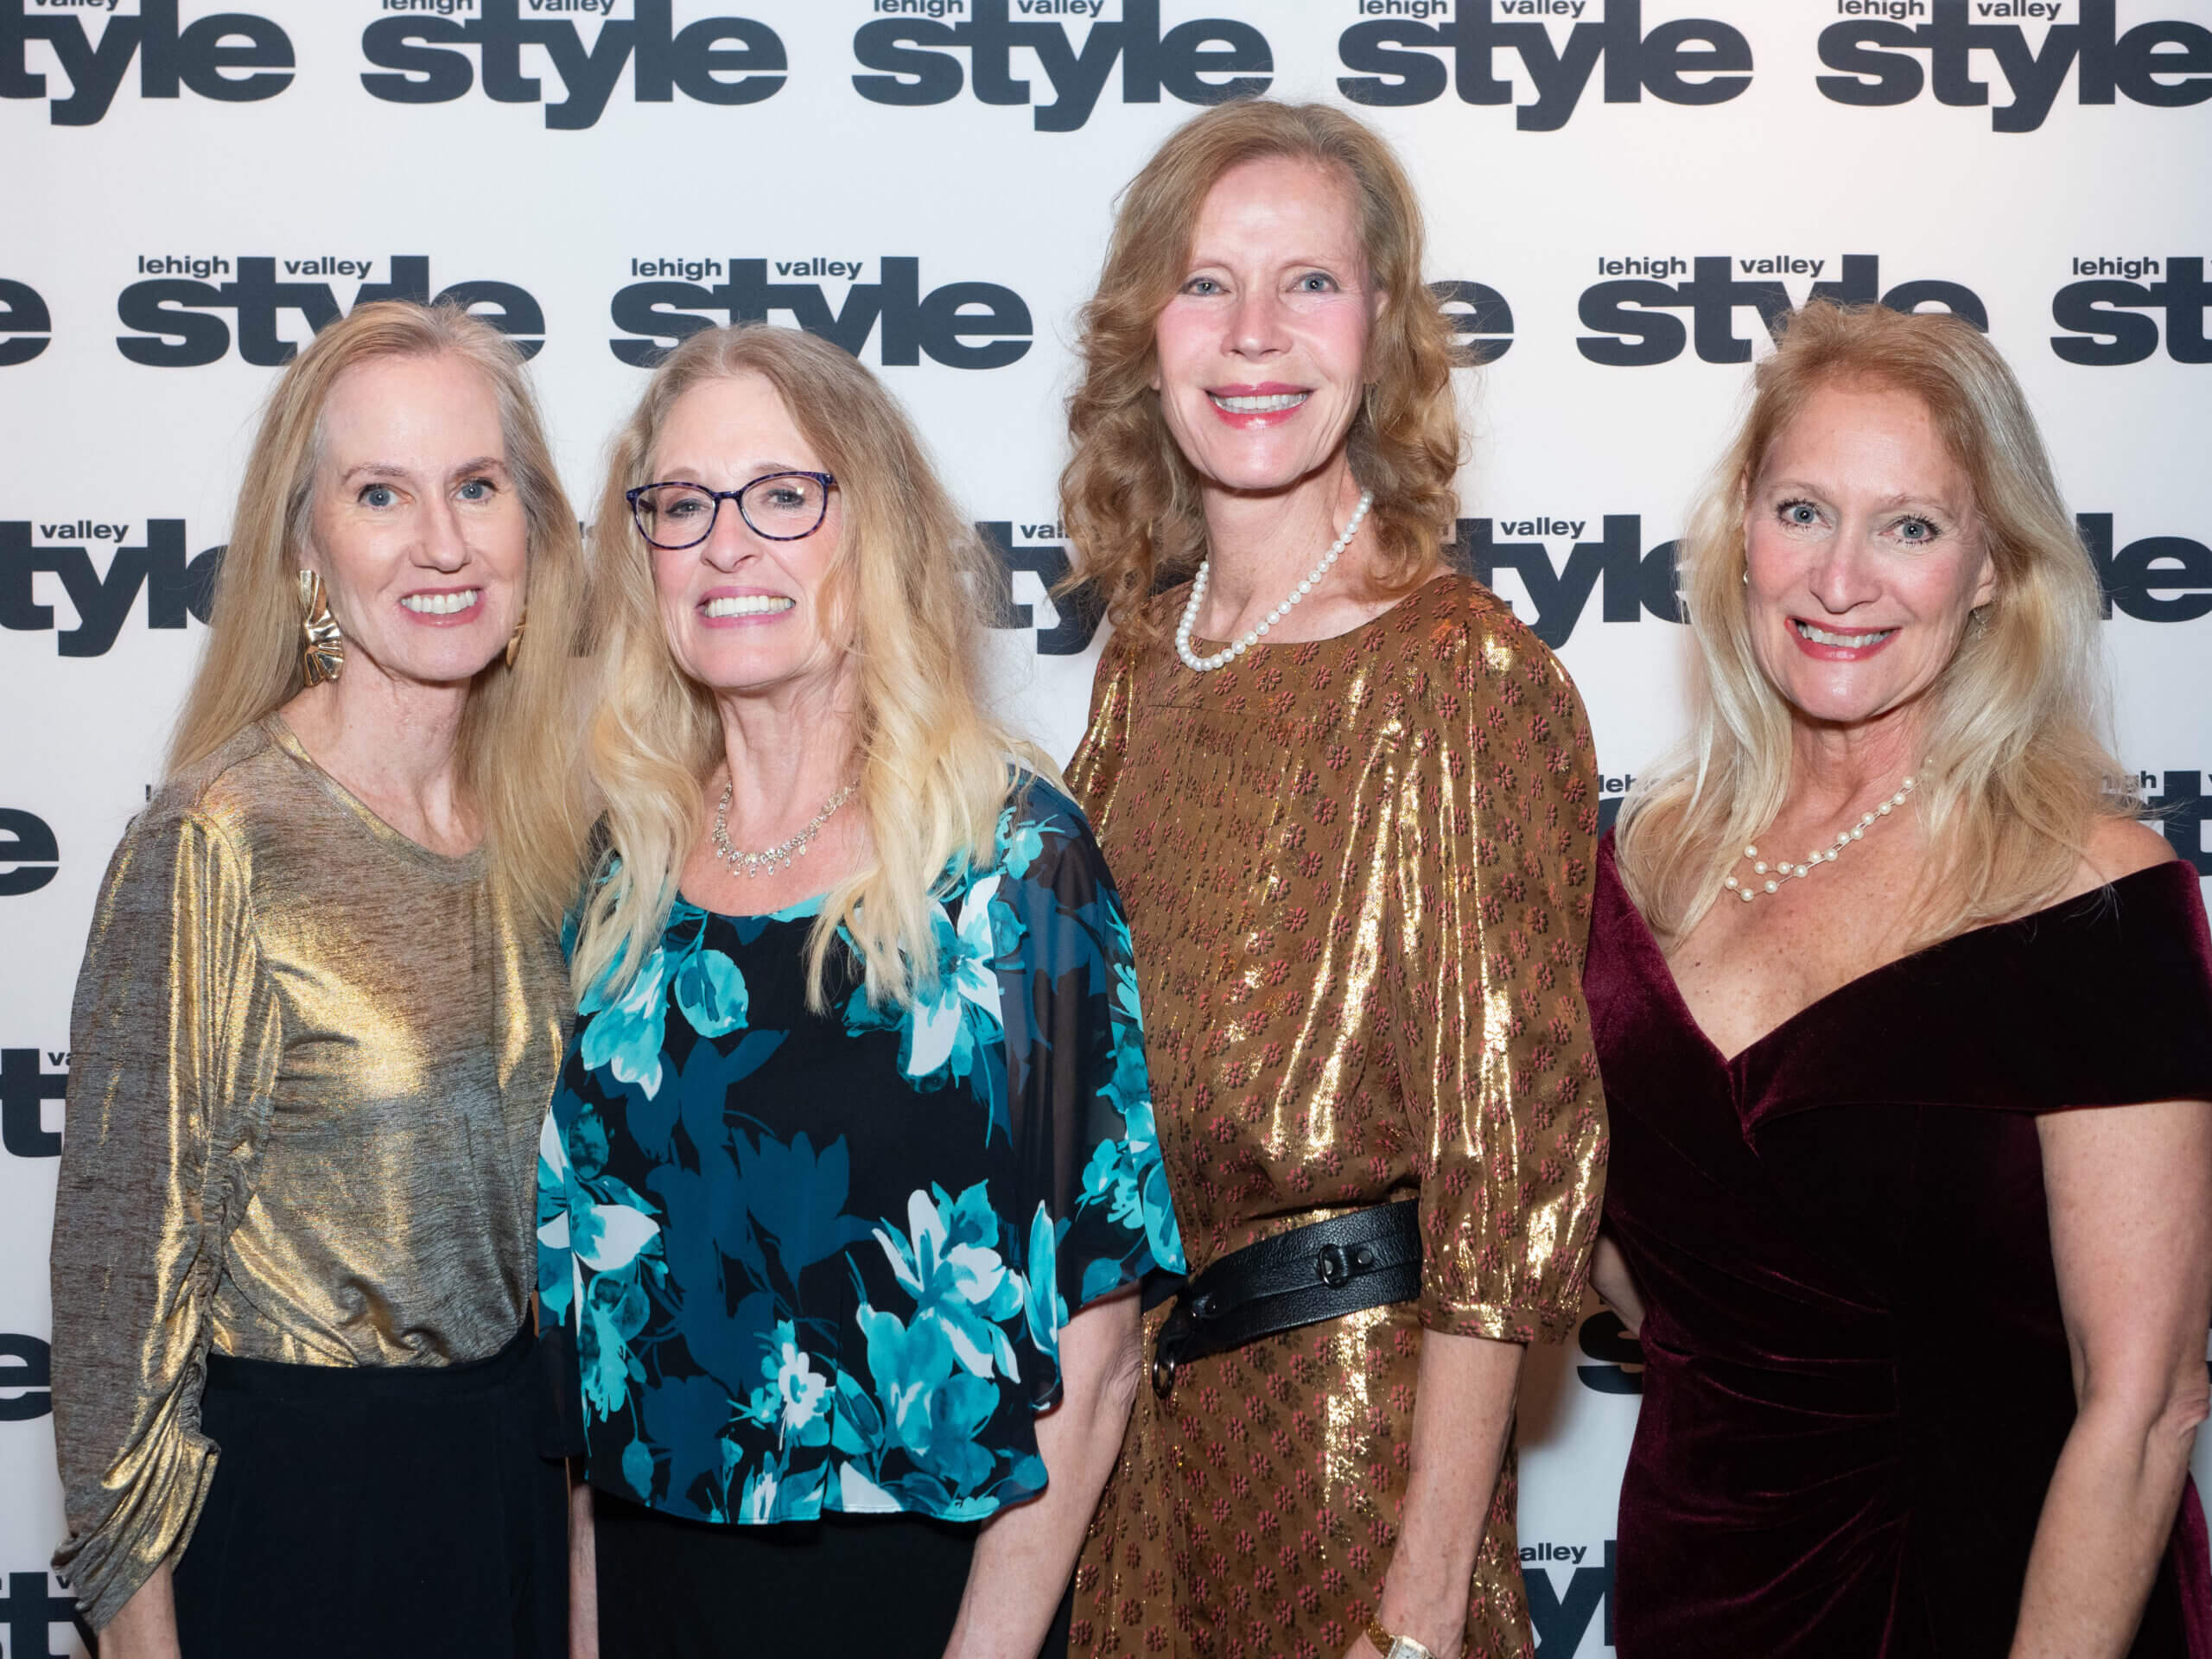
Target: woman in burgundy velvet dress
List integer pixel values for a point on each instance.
(1906, 1026)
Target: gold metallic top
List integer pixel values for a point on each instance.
(308, 1061)
(1357, 872)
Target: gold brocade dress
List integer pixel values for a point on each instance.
(310, 1062)
(1357, 873)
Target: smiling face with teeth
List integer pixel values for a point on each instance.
(414, 524)
(744, 614)
(1864, 555)
(1263, 350)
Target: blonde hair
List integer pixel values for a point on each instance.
(908, 581)
(2016, 775)
(1130, 500)
(516, 745)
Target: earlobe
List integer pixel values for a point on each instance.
(1986, 589)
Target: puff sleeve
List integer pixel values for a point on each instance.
(1490, 904)
(174, 1037)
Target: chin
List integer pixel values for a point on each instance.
(1256, 472)
(1832, 705)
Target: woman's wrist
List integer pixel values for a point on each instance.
(1438, 1622)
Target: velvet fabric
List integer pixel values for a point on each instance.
(1856, 1383)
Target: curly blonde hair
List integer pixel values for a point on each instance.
(2017, 775)
(908, 581)
(1130, 501)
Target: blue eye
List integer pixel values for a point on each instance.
(1315, 281)
(1204, 286)
(1800, 514)
(477, 489)
(1918, 531)
(378, 495)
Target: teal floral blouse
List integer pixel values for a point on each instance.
(811, 1262)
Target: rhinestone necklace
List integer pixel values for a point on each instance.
(1786, 871)
(1230, 653)
(779, 856)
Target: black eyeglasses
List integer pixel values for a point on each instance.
(781, 506)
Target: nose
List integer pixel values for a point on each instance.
(730, 543)
(1256, 325)
(445, 543)
(1844, 577)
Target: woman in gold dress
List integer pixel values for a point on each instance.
(317, 1024)
(1352, 803)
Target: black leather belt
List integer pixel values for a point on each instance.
(1320, 1271)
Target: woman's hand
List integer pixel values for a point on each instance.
(2130, 1191)
(145, 1627)
(1616, 1286)
(1025, 1554)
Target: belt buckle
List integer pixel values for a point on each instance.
(1336, 1266)
(1332, 1265)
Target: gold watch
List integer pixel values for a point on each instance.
(1394, 1647)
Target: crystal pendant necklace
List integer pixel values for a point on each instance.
(779, 856)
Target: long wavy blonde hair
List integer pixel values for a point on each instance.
(2016, 775)
(517, 741)
(1130, 501)
(907, 585)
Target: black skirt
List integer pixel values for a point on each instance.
(383, 1512)
(884, 1586)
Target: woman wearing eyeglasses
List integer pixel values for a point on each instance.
(850, 1170)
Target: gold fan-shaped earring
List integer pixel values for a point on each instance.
(514, 639)
(323, 654)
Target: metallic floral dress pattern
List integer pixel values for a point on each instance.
(1359, 878)
(813, 1262)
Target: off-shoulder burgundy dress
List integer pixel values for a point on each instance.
(1856, 1381)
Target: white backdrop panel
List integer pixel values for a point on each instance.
(186, 192)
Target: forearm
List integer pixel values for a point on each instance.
(1463, 1414)
(1025, 1554)
(145, 1627)
(1616, 1286)
(583, 1576)
(2106, 1519)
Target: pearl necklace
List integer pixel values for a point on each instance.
(1786, 871)
(1221, 658)
(779, 856)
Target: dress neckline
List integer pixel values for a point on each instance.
(1647, 943)
(457, 867)
(798, 910)
(1444, 576)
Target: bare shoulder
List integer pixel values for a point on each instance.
(2119, 847)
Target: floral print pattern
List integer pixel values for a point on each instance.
(809, 1263)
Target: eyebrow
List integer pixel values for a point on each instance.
(1887, 503)
(689, 474)
(393, 469)
(1351, 262)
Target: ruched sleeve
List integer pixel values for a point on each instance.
(173, 1040)
(1093, 1195)
(1488, 915)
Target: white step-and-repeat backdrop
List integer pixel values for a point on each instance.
(1622, 196)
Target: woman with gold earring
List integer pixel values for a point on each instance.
(316, 1028)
